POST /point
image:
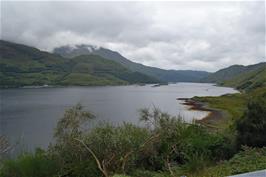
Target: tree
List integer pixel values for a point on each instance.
(111, 149)
(170, 131)
(251, 128)
(70, 153)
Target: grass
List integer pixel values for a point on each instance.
(84, 79)
(248, 160)
(29, 79)
(233, 106)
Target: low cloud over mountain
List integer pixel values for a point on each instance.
(170, 35)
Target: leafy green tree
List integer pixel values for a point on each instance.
(71, 155)
(116, 147)
(251, 128)
(110, 149)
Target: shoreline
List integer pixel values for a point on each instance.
(66, 86)
(213, 116)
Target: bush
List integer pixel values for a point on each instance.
(183, 143)
(247, 160)
(251, 128)
(30, 165)
(104, 150)
(117, 146)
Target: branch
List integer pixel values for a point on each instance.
(100, 166)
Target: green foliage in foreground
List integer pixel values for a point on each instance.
(42, 165)
(30, 165)
(248, 160)
(106, 150)
(166, 147)
(251, 128)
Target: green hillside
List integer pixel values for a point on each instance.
(95, 70)
(21, 65)
(249, 80)
(240, 77)
(231, 72)
(160, 74)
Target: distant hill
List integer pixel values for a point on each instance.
(161, 74)
(248, 80)
(21, 65)
(240, 77)
(94, 70)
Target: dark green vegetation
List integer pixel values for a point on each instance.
(161, 74)
(38, 164)
(247, 160)
(21, 65)
(253, 122)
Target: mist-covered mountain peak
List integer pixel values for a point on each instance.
(71, 51)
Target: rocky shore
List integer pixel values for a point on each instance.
(214, 115)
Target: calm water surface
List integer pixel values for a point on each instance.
(29, 116)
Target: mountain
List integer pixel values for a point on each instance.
(240, 77)
(160, 74)
(231, 72)
(21, 65)
(95, 70)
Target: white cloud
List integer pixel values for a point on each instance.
(172, 35)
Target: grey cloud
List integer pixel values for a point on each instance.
(172, 35)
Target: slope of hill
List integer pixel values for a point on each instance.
(94, 70)
(161, 74)
(21, 65)
(233, 72)
(248, 80)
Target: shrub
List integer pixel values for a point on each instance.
(117, 147)
(180, 142)
(247, 160)
(105, 149)
(251, 128)
(30, 165)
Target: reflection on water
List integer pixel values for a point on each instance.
(31, 114)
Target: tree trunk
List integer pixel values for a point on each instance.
(101, 167)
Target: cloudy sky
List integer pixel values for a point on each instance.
(171, 35)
